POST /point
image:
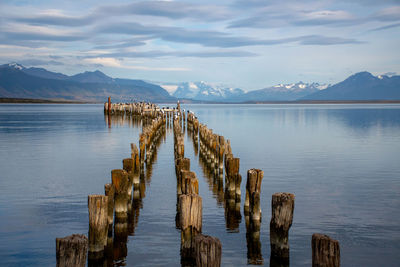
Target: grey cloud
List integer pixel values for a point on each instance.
(5, 40)
(58, 20)
(173, 10)
(213, 38)
(180, 35)
(157, 54)
(30, 36)
(385, 27)
(124, 44)
(170, 9)
(324, 40)
(39, 62)
(292, 19)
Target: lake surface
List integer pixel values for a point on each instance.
(341, 161)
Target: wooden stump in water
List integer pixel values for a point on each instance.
(208, 251)
(325, 251)
(233, 178)
(120, 181)
(135, 156)
(129, 166)
(191, 212)
(71, 251)
(254, 179)
(109, 191)
(190, 184)
(282, 217)
(98, 224)
(181, 164)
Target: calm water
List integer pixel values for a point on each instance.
(341, 161)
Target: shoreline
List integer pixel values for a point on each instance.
(183, 101)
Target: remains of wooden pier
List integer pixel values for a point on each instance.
(118, 209)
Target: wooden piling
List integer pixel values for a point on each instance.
(109, 191)
(190, 184)
(120, 181)
(98, 224)
(191, 213)
(71, 250)
(208, 251)
(325, 251)
(254, 179)
(282, 217)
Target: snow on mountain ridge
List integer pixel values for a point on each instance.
(205, 91)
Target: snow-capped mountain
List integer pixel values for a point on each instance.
(205, 91)
(283, 92)
(14, 65)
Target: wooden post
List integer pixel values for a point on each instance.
(135, 156)
(109, 104)
(181, 164)
(189, 183)
(71, 250)
(98, 224)
(282, 217)
(233, 178)
(191, 213)
(254, 179)
(208, 251)
(109, 190)
(325, 251)
(129, 166)
(120, 181)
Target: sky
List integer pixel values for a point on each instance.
(250, 44)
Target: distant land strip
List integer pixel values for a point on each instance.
(41, 101)
(185, 101)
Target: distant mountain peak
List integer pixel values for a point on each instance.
(92, 77)
(14, 65)
(361, 86)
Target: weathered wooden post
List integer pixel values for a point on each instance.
(109, 104)
(120, 181)
(254, 179)
(109, 191)
(282, 217)
(181, 164)
(208, 251)
(253, 222)
(189, 182)
(129, 166)
(325, 251)
(71, 250)
(98, 225)
(142, 147)
(191, 213)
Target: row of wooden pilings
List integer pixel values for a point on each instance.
(216, 154)
(196, 248)
(112, 210)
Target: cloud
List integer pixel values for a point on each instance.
(104, 61)
(170, 9)
(207, 38)
(388, 14)
(23, 32)
(167, 9)
(297, 18)
(39, 62)
(113, 62)
(386, 27)
(159, 54)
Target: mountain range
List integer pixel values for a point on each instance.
(16, 81)
(203, 91)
